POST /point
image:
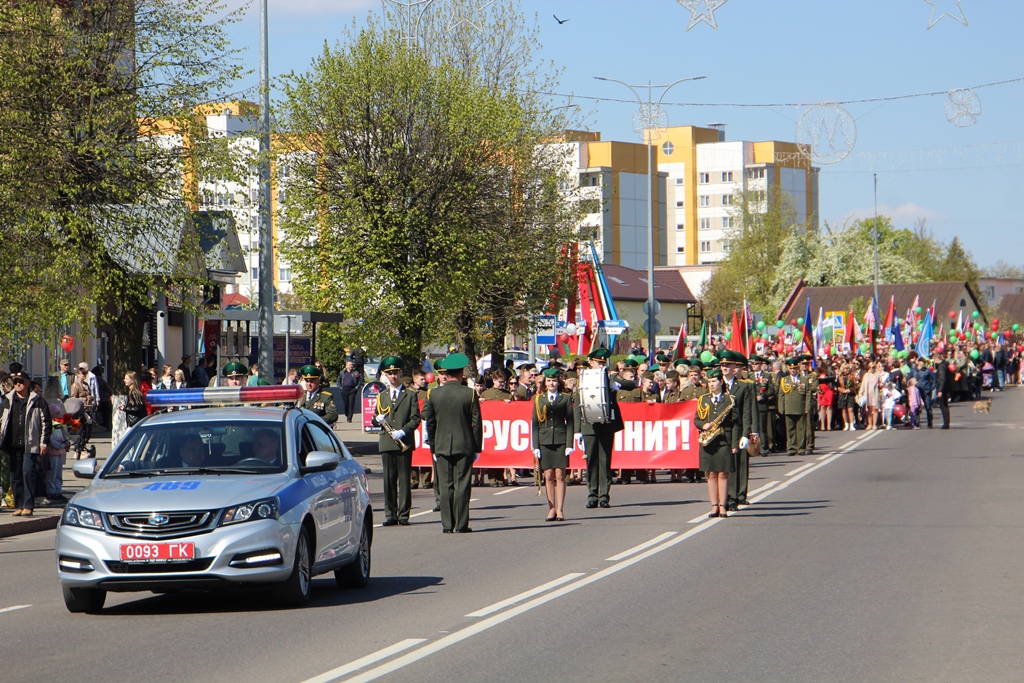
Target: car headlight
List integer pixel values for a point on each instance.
(83, 517)
(258, 509)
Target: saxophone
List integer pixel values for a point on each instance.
(706, 436)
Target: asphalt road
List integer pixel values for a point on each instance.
(891, 556)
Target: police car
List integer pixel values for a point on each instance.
(234, 492)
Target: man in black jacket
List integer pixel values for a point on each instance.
(942, 388)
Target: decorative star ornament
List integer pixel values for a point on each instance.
(702, 11)
(472, 17)
(947, 8)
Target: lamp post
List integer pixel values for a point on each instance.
(266, 278)
(875, 175)
(648, 122)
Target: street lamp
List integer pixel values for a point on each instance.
(266, 278)
(648, 122)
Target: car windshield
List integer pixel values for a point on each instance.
(228, 447)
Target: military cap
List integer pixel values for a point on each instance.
(714, 363)
(235, 369)
(696, 364)
(662, 358)
(454, 361)
(793, 361)
(601, 354)
(680, 361)
(714, 372)
(552, 372)
(803, 358)
(731, 357)
(754, 358)
(649, 375)
(631, 362)
(391, 363)
(310, 372)
(671, 374)
(638, 358)
(571, 375)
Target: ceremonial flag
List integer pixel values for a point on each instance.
(680, 350)
(819, 335)
(897, 335)
(872, 314)
(890, 317)
(960, 321)
(807, 334)
(703, 334)
(925, 338)
(736, 340)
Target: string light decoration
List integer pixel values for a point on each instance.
(954, 12)
(651, 118)
(963, 108)
(466, 21)
(828, 131)
(410, 12)
(702, 11)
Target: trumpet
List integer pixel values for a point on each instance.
(391, 432)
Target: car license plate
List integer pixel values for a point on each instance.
(156, 552)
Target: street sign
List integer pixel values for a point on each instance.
(545, 326)
(613, 326)
(647, 326)
(657, 307)
(287, 324)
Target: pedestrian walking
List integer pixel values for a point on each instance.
(25, 430)
(349, 380)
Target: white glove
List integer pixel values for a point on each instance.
(536, 453)
(377, 419)
(568, 451)
(579, 440)
(743, 442)
(399, 434)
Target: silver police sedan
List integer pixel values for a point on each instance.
(216, 497)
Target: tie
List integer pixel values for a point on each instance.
(551, 398)
(394, 395)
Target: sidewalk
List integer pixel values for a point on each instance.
(362, 446)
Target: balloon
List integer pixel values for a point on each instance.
(570, 329)
(899, 411)
(993, 335)
(1015, 327)
(799, 321)
(952, 315)
(67, 342)
(792, 321)
(796, 335)
(828, 349)
(914, 337)
(429, 377)
(905, 369)
(892, 353)
(961, 336)
(563, 338)
(728, 336)
(760, 325)
(706, 357)
(903, 354)
(974, 354)
(995, 321)
(975, 314)
(918, 310)
(779, 323)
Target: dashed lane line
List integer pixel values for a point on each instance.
(366, 661)
(515, 599)
(11, 609)
(643, 546)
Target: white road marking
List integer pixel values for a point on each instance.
(763, 488)
(498, 606)
(799, 469)
(358, 664)
(643, 546)
(481, 626)
(511, 489)
(11, 609)
(427, 512)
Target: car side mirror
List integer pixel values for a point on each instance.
(85, 469)
(320, 461)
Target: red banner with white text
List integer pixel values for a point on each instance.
(659, 436)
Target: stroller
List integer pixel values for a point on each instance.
(988, 372)
(80, 419)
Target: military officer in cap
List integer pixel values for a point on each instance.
(764, 398)
(597, 439)
(672, 395)
(742, 392)
(552, 428)
(235, 374)
(793, 406)
(399, 409)
(810, 378)
(316, 399)
(692, 391)
(664, 362)
(718, 457)
(455, 434)
(498, 392)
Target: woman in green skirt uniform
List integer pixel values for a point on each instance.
(717, 411)
(552, 439)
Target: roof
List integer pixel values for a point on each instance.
(1011, 309)
(626, 284)
(946, 295)
(234, 300)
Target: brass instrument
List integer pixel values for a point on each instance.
(391, 432)
(706, 435)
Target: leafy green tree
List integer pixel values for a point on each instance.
(959, 266)
(92, 207)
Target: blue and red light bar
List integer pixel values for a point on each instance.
(214, 396)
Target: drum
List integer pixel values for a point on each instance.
(595, 404)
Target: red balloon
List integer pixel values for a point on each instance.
(995, 321)
(952, 367)
(914, 337)
(960, 336)
(563, 338)
(793, 322)
(429, 377)
(952, 315)
(828, 349)
(899, 411)
(67, 342)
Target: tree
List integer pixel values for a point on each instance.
(1002, 270)
(92, 208)
(959, 266)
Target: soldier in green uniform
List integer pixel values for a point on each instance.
(629, 391)
(649, 389)
(398, 409)
(793, 406)
(498, 392)
(764, 398)
(810, 378)
(672, 395)
(316, 399)
(742, 391)
(553, 422)
(235, 374)
(597, 439)
(455, 434)
(664, 362)
(421, 476)
(694, 389)
(718, 457)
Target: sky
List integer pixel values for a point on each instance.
(786, 57)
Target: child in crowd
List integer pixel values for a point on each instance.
(914, 401)
(890, 397)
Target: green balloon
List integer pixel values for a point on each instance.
(975, 314)
(865, 347)
(799, 321)
(796, 335)
(728, 336)
(892, 353)
(974, 354)
(706, 357)
(779, 323)
(903, 354)
(905, 369)
(760, 325)
(918, 310)
(1015, 327)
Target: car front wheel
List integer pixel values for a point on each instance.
(296, 589)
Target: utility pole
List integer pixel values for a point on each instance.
(266, 276)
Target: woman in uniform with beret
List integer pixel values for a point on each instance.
(718, 457)
(552, 439)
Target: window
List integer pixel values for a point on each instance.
(726, 200)
(284, 273)
(680, 226)
(755, 173)
(704, 178)
(590, 206)
(680, 250)
(990, 292)
(679, 204)
(726, 176)
(667, 149)
(705, 246)
(704, 200)
(255, 274)
(727, 222)
(679, 181)
(726, 246)
(705, 223)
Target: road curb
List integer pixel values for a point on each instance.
(28, 526)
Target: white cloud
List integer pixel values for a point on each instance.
(291, 7)
(902, 215)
